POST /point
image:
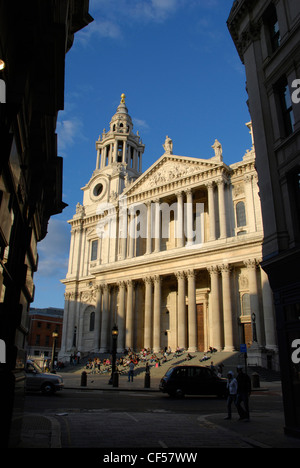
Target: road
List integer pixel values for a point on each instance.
(110, 419)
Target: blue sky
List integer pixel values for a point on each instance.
(178, 67)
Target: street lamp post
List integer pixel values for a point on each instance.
(54, 337)
(114, 379)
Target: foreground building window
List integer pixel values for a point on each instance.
(271, 20)
(286, 107)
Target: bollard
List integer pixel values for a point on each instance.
(147, 376)
(83, 379)
(147, 381)
(115, 380)
(255, 380)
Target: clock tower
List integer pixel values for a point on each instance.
(119, 159)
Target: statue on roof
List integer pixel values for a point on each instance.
(168, 146)
(218, 150)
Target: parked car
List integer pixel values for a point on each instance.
(39, 381)
(192, 380)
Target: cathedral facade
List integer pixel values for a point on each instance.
(170, 255)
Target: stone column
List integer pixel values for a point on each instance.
(121, 317)
(254, 302)
(66, 319)
(149, 229)
(192, 314)
(148, 313)
(123, 232)
(80, 311)
(211, 211)
(115, 154)
(215, 315)
(103, 157)
(250, 210)
(105, 320)
(98, 159)
(269, 315)
(189, 217)
(71, 256)
(97, 319)
(222, 208)
(181, 325)
(180, 222)
(157, 226)
(124, 151)
(71, 321)
(129, 316)
(227, 309)
(157, 314)
(131, 232)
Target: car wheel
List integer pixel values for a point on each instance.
(179, 393)
(47, 389)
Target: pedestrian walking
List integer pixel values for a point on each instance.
(232, 392)
(131, 371)
(243, 393)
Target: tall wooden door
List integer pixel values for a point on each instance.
(200, 327)
(247, 333)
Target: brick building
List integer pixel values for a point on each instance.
(42, 323)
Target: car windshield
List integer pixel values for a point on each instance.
(33, 366)
(169, 372)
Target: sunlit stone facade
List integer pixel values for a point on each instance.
(171, 255)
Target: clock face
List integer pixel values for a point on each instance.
(98, 190)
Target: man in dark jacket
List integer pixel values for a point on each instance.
(243, 393)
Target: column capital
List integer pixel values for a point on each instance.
(180, 275)
(225, 268)
(190, 274)
(147, 280)
(156, 279)
(213, 270)
(248, 178)
(252, 263)
(179, 194)
(209, 184)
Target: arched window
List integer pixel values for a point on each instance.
(240, 214)
(92, 321)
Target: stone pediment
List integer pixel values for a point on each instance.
(168, 169)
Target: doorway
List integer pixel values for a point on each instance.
(200, 327)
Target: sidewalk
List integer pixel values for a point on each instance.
(264, 430)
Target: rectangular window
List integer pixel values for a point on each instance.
(94, 250)
(285, 102)
(294, 194)
(271, 21)
(37, 340)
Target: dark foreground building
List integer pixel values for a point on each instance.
(267, 37)
(34, 38)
